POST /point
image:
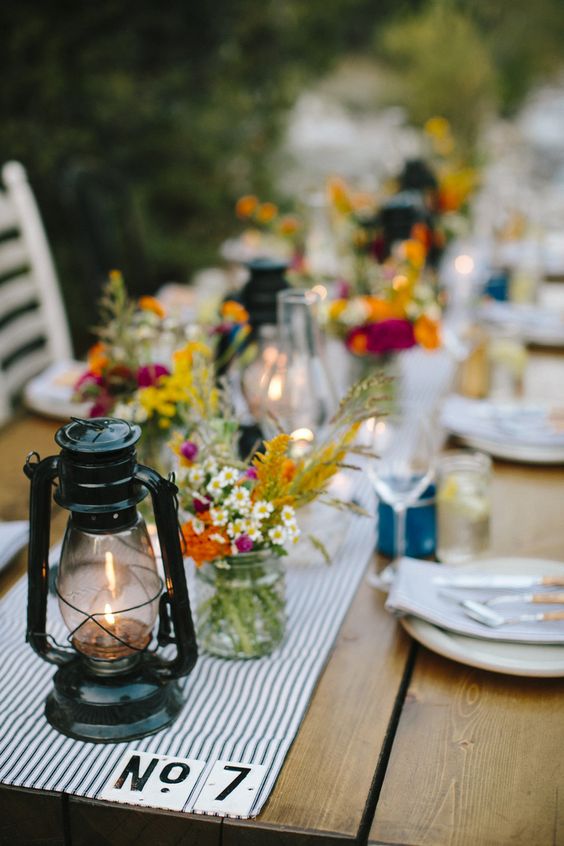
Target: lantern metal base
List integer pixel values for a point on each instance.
(110, 708)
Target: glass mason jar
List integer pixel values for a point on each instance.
(463, 506)
(241, 605)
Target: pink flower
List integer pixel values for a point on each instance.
(343, 290)
(189, 450)
(244, 543)
(251, 473)
(389, 335)
(89, 378)
(149, 374)
(200, 504)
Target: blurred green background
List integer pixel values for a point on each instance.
(141, 123)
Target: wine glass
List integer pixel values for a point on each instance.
(403, 466)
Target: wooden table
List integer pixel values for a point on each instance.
(399, 745)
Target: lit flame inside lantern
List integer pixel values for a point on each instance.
(110, 573)
(108, 616)
(275, 388)
(464, 264)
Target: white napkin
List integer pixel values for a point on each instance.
(51, 392)
(13, 537)
(516, 423)
(413, 592)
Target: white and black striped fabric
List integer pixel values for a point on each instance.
(245, 711)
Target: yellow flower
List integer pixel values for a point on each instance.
(437, 127)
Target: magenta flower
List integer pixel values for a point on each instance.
(149, 374)
(244, 543)
(189, 450)
(251, 473)
(389, 335)
(87, 379)
(200, 504)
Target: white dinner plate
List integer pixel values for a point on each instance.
(514, 659)
(50, 393)
(525, 453)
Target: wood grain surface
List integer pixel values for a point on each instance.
(477, 761)
(325, 785)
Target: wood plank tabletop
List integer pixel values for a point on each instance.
(477, 756)
(398, 746)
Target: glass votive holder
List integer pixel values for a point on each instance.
(463, 506)
(507, 362)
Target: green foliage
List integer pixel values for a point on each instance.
(184, 100)
(442, 68)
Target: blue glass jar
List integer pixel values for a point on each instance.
(420, 527)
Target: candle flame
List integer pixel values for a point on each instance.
(464, 264)
(108, 616)
(110, 573)
(275, 388)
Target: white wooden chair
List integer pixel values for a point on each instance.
(33, 324)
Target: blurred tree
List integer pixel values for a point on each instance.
(182, 101)
(524, 39)
(442, 67)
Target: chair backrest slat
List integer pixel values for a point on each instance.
(33, 325)
(8, 216)
(14, 257)
(16, 294)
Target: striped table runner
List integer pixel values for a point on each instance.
(244, 711)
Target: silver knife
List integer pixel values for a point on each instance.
(480, 612)
(548, 598)
(480, 580)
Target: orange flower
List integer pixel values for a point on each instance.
(234, 311)
(422, 233)
(338, 194)
(97, 358)
(151, 304)
(427, 332)
(245, 206)
(266, 212)
(378, 309)
(414, 252)
(358, 343)
(288, 470)
(289, 225)
(207, 545)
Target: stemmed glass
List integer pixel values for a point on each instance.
(403, 466)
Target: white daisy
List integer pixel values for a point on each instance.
(196, 475)
(217, 538)
(288, 515)
(229, 475)
(239, 500)
(255, 534)
(219, 516)
(198, 526)
(277, 535)
(262, 509)
(215, 486)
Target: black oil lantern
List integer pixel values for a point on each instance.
(110, 685)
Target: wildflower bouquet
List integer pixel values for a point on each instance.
(241, 518)
(399, 310)
(266, 231)
(133, 339)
